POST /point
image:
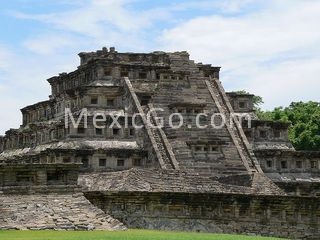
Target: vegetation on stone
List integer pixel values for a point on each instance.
(257, 100)
(304, 117)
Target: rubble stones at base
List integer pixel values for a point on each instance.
(53, 212)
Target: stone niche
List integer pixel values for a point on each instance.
(278, 216)
(23, 178)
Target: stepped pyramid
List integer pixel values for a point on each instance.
(127, 124)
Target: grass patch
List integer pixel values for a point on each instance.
(121, 235)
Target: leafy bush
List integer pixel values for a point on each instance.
(304, 119)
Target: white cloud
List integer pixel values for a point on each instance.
(10, 116)
(233, 6)
(5, 57)
(27, 84)
(221, 7)
(112, 22)
(277, 47)
(49, 43)
(24, 83)
(272, 51)
(283, 83)
(95, 24)
(90, 19)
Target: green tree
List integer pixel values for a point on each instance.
(304, 119)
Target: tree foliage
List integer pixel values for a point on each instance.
(304, 119)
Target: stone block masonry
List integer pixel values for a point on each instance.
(278, 216)
(53, 212)
(233, 179)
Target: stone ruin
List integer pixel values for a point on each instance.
(241, 178)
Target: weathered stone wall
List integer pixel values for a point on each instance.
(43, 156)
(36, 173)
(241, 103)
(290, 217)
(297, 172)
(273, 161)
(54, 212)
(267, 135)
(300, 188)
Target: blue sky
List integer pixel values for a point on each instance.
(270, 48)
